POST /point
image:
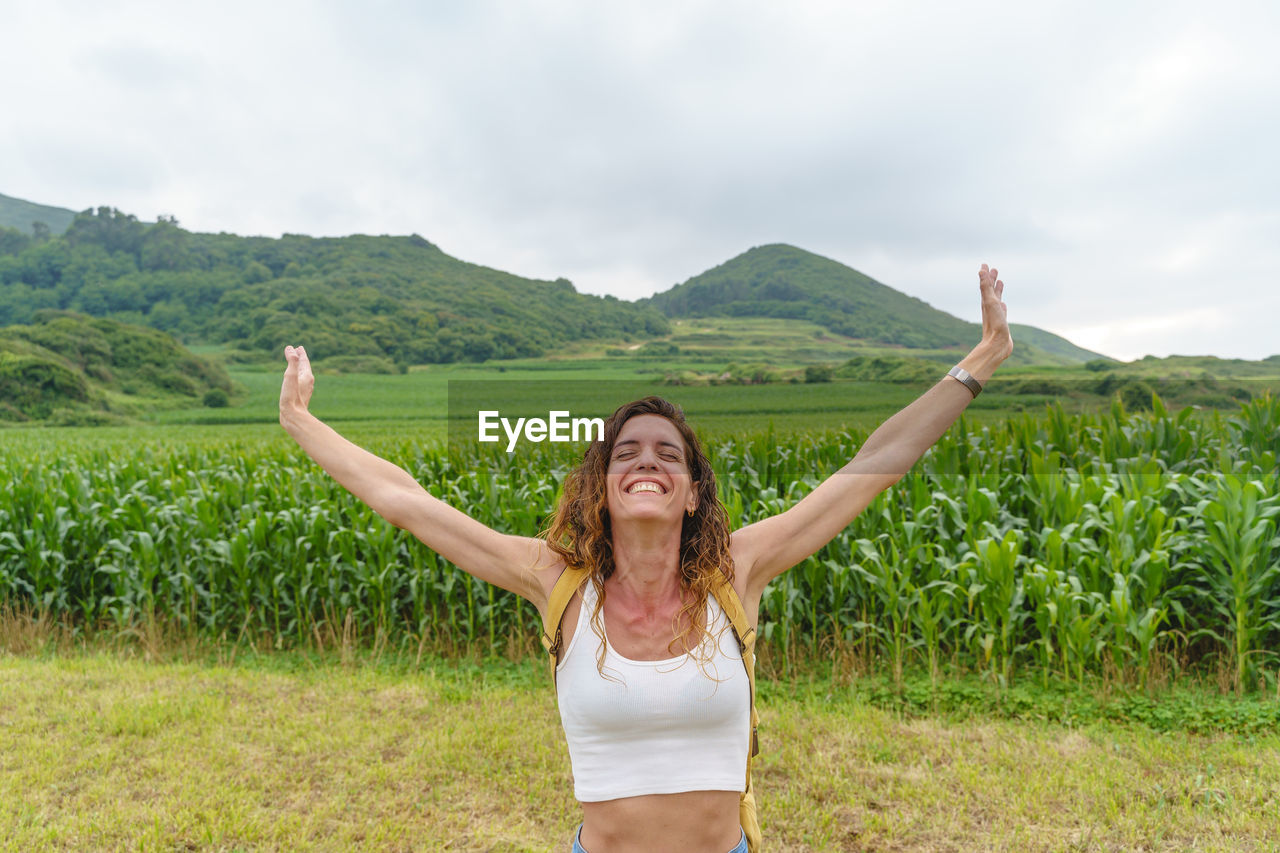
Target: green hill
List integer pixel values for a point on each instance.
(398, 299)
(21, 215)
(1197, 367)
(785, 282)
(84, 369)
(380, 303)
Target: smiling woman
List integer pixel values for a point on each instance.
(645, 492)
(654, 685)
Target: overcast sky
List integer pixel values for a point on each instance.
(1116, 161)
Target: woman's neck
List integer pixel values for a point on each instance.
(647, 568)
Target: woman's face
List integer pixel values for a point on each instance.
(648, 476)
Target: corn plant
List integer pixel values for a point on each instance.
(1240, 565)
(1075, 544)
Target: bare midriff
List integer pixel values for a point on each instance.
(695, 821)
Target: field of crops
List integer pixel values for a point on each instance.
(1054, 546)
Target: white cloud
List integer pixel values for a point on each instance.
(1110, 159)
(1133, 337)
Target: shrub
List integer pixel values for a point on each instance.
(36, 386)
(1136, 396)
(1047, 387)
(818, 373)
(216, 398)
(358, 364)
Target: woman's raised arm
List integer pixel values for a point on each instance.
(392, 492)
(766, 549)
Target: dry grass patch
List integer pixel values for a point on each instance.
(99, 753)
(922, 785)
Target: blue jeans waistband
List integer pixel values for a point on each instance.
(740, 847)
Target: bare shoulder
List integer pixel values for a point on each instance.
(541, 568)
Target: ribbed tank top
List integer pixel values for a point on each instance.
(653, 727)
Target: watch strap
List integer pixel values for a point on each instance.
(958, 372)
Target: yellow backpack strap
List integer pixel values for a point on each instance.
(732, 607)
(746, 636)
(561, 594)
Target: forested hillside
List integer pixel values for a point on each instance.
(783, 281)
(378, 302)
(398, 297)
(65, 365)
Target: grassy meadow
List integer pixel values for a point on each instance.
(288, 752)
(766, 359)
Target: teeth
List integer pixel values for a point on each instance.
(644, 487)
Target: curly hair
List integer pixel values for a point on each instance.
(582, 535)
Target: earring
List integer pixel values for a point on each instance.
(691, 513)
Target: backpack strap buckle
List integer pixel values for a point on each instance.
(553, 645)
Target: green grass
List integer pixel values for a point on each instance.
(288, 752)
(708, 348)
(417, 404)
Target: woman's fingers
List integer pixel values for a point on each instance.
(988, 277)
(989, 282)
(299, 381)
(297, 358)
(995, 323)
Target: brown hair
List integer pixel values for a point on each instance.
(581, 532)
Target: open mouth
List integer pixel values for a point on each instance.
(645, 486)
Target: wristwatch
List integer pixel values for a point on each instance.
(964, 376)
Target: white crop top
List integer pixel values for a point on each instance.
(663, 726)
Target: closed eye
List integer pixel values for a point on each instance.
(666, 452)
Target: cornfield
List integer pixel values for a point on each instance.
(1065, 546)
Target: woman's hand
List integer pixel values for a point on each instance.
(299, 382)
(995, 322)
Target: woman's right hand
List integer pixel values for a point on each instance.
(995, 314)
(299, 382)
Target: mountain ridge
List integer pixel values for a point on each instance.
(404, 299)
(784, 281)
(399, 298)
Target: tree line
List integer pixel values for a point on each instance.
(401, 298)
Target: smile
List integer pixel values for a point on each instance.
(646, 486)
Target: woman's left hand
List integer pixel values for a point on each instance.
(995, 321)
(299, 381)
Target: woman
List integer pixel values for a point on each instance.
(654, 709)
